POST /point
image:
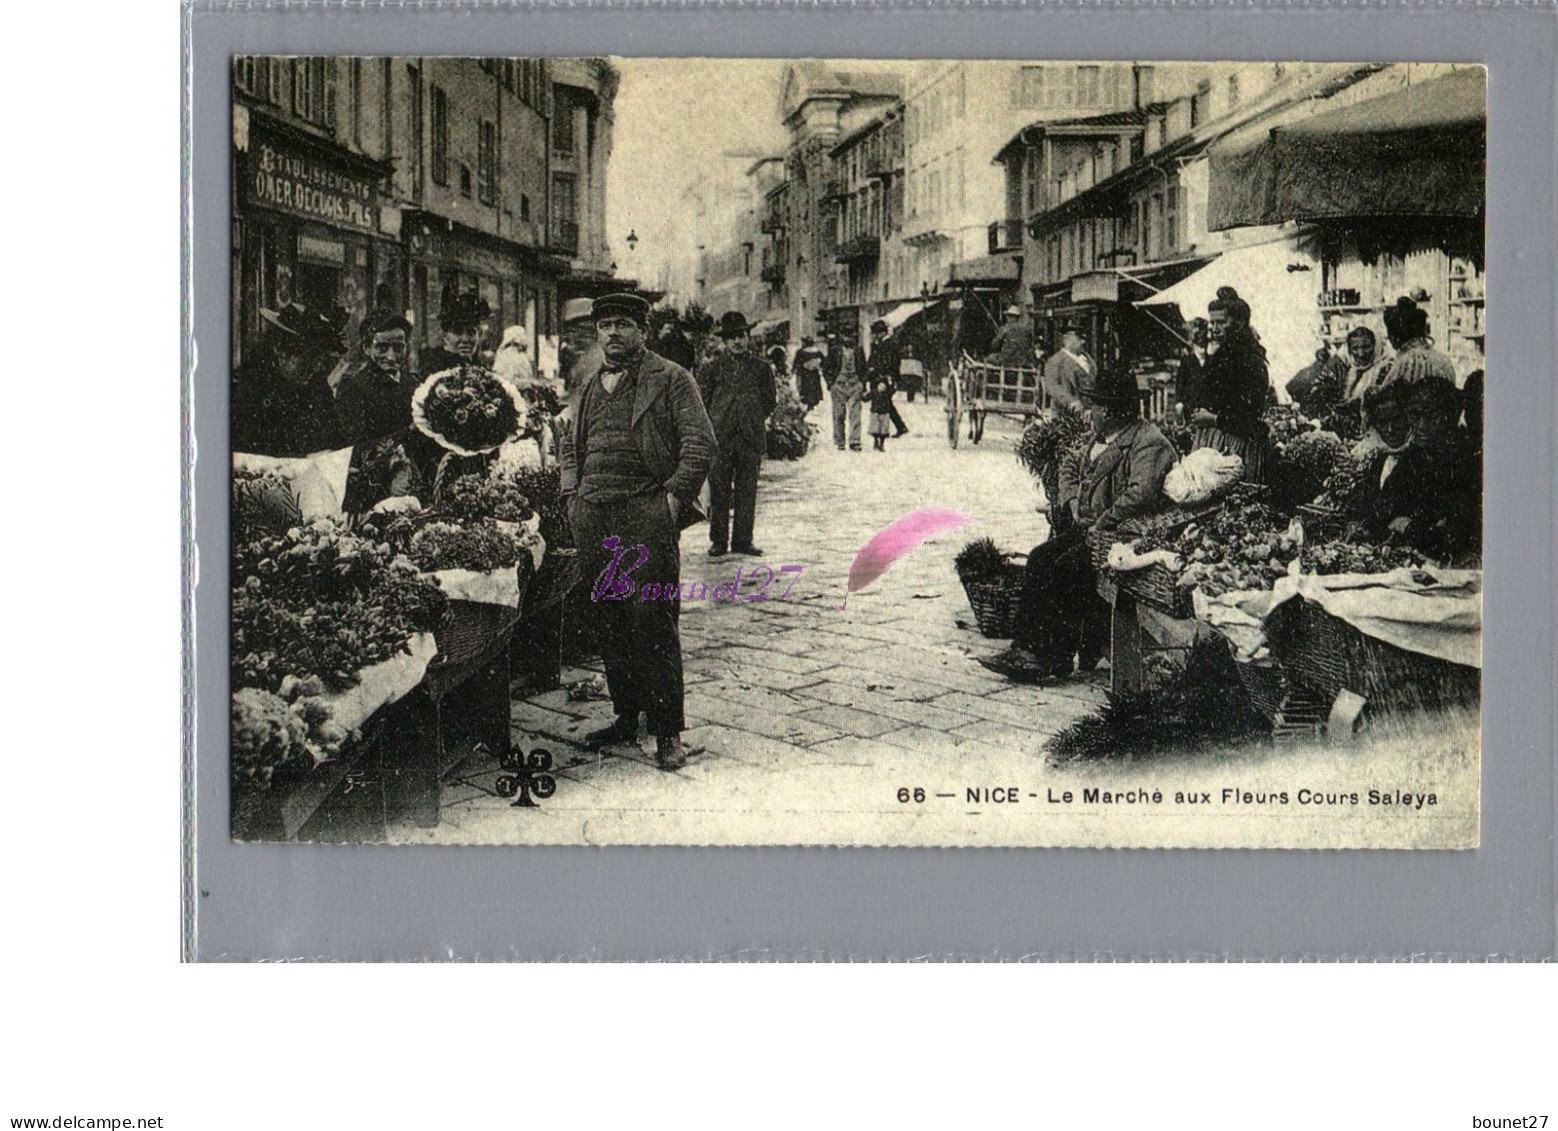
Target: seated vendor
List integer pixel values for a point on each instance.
(1423, 487)
(1118, 476)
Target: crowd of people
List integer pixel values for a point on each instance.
(1417, 435)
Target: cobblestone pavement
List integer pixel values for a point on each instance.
(809, 716)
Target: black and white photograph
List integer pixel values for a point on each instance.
(640, 451)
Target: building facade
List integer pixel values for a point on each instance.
(398, 182)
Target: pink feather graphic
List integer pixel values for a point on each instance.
(893, 542)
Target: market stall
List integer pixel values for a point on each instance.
(376, 593)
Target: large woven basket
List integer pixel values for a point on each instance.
(1328, 655)
(995, 602)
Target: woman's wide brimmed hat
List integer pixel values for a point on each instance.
(313, 329)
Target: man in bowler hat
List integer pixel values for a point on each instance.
(633, 457)
(738, 391)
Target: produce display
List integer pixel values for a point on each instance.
(1242, 545)
(1050, 436)
(469, 410)
(1346, 488)
(1354, 556)
(789, 433)
(478, 546)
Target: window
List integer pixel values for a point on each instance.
(439, 125)
(357, 102)
(259, 76)
(414, 143)
(1030, 88)
(1088, 86)
(1146, 85)
(387, 122)
(313, 91)
(508, 75)
(565, 230)
(465, 179)
(487, 163)
(1198, 105)
(1171, 217)
(524, 207)
(562, 126)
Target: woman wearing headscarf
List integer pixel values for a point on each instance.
(1427, 376)
(1228, 398)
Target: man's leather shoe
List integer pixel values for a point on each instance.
(622, 730)
(749, 551)
(717, 551)
(670, 754)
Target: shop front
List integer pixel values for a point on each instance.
(309, 226)
(445, 258)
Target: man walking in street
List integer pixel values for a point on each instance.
(632, 462)
(1070, 371)
(738, 392)
(374, 400)
(845, 389)
(882, 366)
(809, 362)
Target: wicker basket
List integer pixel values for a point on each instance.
(1328, 655)
(1157, 585)
(995, 602)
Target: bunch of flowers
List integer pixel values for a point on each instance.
(1353, 556)
(789, 434)
(267, 735)
(979, 560)
(497, 495)
(1346, 488)
(469, 410)
(478, 546)
(319, 559)
(543, 488)
(1304, 462)
(1286, 422)
(263, 503)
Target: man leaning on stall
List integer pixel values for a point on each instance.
(1117, 476)
(633, 459)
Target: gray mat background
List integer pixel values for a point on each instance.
(298, 902)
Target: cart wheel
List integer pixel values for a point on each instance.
(954, 426)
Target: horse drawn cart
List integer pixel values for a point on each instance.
(975, 389)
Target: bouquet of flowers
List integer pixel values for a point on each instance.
(263, 502)
(478, 546)
(1286, 422)
(1346, 488)
(319, 559)
(542, 486)
(474, 498)
(267, 735)
(469, 410)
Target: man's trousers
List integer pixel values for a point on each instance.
(636, 632)
(1061, 613)
(733, 483)
(846, 409)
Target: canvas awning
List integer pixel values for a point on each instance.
(904, 311)
(769, 326)
(1280, 282)
(1418, 151)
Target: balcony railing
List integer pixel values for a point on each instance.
(773, 274)
(565, 237)
(771, 225)
(1005, 235)
(833, 190)
(881, 165)
(859, 249)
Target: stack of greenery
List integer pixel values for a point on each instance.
(789, 433)
(1183, 710)
(1046, 439)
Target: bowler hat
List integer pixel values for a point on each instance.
(577, 310)
(623, 304)
(306, 328)
(467, 309)
(1113, 389)
(733, 324)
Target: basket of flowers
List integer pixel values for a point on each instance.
(993, 582)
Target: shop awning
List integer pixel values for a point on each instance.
(986, 269)
(770, 326)
(1418, 151)
(1279, 281)
(904, 311)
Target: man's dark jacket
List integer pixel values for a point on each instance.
(670, 429)
(738, 392)
(370, 406)
(274, 417)
(1125, 481)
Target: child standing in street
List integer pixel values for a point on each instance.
(881, 397)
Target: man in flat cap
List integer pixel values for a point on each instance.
(738, 391)
(463, 320)
(374, 400)
(633, 458)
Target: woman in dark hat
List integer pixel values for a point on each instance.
(282, 403)
(463, 319)
(1118, 476)
(1229, 397)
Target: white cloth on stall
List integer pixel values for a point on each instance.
(1434, 612)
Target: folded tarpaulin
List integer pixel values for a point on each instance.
(1420, 151)
(1429, 611)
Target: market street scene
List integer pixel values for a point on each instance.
(919, 453)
